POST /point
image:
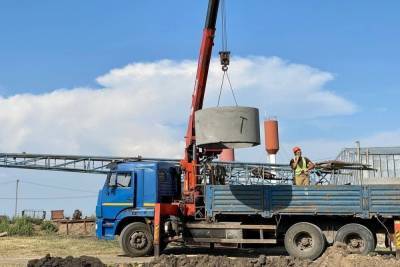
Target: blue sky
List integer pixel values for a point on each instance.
(50, 45)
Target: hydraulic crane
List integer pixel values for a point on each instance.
(141, 200)
(193, 155)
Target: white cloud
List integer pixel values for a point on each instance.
(327, 149)
(382, 138)
(284, 89)
(142, 108)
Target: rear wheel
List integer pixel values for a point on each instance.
(304, 240)
(136, 240)
(358, 238)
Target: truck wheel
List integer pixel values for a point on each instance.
(304, 240)
(357, 237)
(136, 240)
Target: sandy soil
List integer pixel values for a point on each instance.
(17, 251)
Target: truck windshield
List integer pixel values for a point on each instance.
(119, 179)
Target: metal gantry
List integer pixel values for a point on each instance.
(69, 163)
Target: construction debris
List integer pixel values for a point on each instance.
(84, 261)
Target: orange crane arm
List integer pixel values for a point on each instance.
(189, 163)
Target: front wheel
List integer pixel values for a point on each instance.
(305, 241)
(136, 240)
(358, 238)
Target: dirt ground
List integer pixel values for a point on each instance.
(335, 256)
(17, 251)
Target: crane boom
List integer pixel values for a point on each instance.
(207, 43)
(192, 154)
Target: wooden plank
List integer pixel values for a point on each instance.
(235, 241)
(229, 226)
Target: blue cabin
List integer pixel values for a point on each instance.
(131, 190)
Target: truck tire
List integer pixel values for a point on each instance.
(136, 240)
(358, 238)
(305, 241)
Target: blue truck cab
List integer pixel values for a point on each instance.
(130, 193)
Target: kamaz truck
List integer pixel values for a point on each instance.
(151, 202)
(135, 204)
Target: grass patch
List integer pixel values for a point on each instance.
(35, 221)
(4, 226)
(21, 226)
(18, 226)
(48, 227)
(26, 226)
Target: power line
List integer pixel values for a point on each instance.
(58, 187)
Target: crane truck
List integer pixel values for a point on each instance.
(151, 202)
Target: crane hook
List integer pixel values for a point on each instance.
(224, 57)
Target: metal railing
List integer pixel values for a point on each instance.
(244, 173)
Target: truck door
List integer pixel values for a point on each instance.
(118, 195)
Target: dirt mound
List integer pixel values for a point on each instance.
(279, 261)
(335, 256)
(83, 261)
(371, 261)
(206, 260)
(338, 256)
(223, 261)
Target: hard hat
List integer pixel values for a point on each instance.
(296, 148)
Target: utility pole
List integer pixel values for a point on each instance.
(16, 199)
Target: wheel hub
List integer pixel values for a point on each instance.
(304, 241)
(355, 243)
(138, 240)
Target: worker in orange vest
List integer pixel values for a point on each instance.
(301, 167)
